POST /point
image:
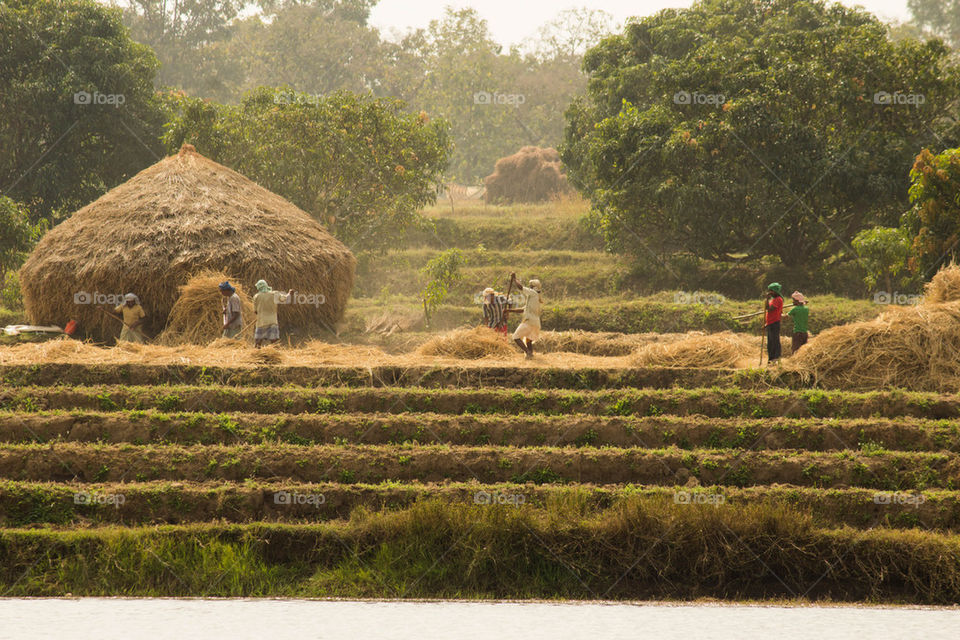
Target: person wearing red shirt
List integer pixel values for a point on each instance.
(774, 312)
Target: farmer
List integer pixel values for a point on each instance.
(529, 330)
(800, 313)
(771, 321)
(493, 311)
(133, 316)
(232, 314)
(265, 307)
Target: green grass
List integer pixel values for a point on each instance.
(642, 549)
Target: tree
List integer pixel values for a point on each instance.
(17, 235)
(742, 128)
(314, 49)
(362, 166)
(939, 17)
(443, 273)
(934, 220)
(185, 34)
(497, 101)
(571, 34)
(77, 110)
(883, 252)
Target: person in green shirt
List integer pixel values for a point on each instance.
(800, 313)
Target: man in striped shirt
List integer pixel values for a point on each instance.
(493, 315)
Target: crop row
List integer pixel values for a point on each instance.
(710, 402)
(437, 463)
(686, 432)
(32, 503)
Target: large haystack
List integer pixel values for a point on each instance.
(533, 174)
(907, 347)
(181, 216)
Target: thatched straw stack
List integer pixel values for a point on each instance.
(468, 344)
(196, 316)
(907, 347)
(533, 174)
(726, 349)
(183, 215)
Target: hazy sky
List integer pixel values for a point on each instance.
(513, 20)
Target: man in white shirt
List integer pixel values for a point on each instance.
(529, 330)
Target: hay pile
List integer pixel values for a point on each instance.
(468, 344)
(533, 174)
(196, 316)
(180, 216)
(725, 349)
(914, 348)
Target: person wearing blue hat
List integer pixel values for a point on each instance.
(771, 321)
(232, 311)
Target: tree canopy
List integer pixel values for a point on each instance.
(363, 166)
(77, 108)
(741, 128)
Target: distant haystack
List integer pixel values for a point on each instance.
(184, 215)
(533, 174)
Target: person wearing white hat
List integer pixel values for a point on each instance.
(529, 329)
(493, 311)
(133, 316)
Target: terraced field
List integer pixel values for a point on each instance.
(472, 481)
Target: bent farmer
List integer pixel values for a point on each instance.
(772, 317)
(265, 307)
(232, 314)
(529, 330)
(133, 315)
(800, 313)
(493, 311)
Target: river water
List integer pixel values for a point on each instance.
(109, 618)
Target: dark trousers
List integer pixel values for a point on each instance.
(799, 339)
(773, 341)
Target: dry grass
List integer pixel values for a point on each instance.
(533, 174)
(468, 344)
(180, 216)
(725, 349)
(196, 316)
(907, 347)
(944, 287)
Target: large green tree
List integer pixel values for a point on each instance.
(363, 166)
(741, 128)
(77, 108)
(933, 222)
